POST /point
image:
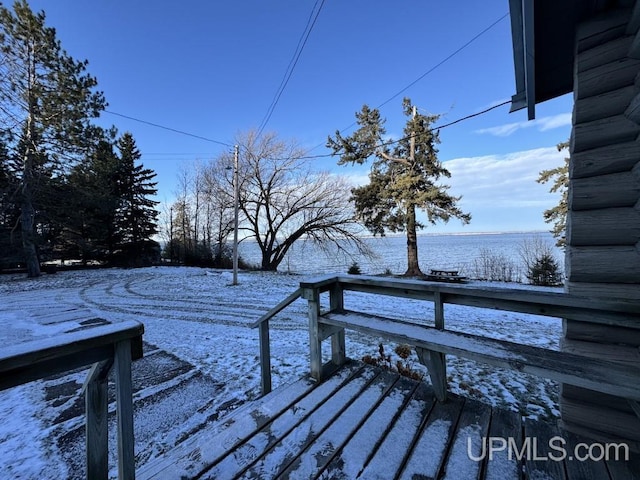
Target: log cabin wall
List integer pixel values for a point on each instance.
(603, 223)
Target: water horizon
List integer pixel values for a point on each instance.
(467, 252)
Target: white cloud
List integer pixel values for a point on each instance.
(357, 180)
(500, 101)
(542, 124)
(504, 180)
(500, 191)
(557, 121)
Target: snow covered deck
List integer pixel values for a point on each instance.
(365, 422)
(83, 340)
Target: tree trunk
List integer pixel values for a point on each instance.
(28, 240)
(413, 269)
(269, 265)
(27, 212)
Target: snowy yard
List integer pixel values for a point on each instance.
(202, 359)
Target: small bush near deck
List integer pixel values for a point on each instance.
(541, 266)
(354, 269)
(402, 366)
(544, 271)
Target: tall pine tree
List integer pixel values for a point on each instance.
(136, 218)
(91, 228)
(401, 180)
(46, 103)
(10, 253)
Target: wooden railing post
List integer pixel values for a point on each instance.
(312, 295)
(265, 357)
(438, 305)
(436, 362)
(124, 405)
(265, 349)
(336, 303)
(96, 422)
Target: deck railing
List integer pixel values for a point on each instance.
(103, 348)
(265, 349)
(434, 342)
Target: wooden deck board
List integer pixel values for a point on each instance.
(504, 424)
(196, 454)
(472, 429)
(538, 432)
(587, 470)
(395, 447)
(298, 436)
(356, 454)
(430, 451)
(367, 423)
(323, 448)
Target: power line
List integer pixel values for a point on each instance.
(181, 132)
(432, 69)
(437, 127)
(289, 67)
(324, 155)
(292, 64)
(443, 61)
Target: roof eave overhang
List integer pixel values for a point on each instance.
(522, 34)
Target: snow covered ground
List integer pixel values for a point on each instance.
(202, 358)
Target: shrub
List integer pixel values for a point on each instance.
(540, 263)
(354, 269)
(402, 366)
(544, 271)
(495, 267)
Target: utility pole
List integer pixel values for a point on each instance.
(171, 235)
(236, 198)
(412, 152)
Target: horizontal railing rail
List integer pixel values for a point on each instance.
(103, 348)
(617, 312)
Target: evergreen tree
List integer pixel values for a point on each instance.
(544, 271)
(46, 103)
(91, 228)
(401, 180)
(137, 216)
(10, 253)
(558, 215)
(6, 183)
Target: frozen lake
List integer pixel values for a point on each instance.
(458, 251)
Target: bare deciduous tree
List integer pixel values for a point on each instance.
(283, 199)
(218, 206)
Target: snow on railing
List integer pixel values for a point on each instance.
(103, 348)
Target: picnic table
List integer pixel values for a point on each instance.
(442, 275)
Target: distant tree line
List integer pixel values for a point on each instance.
(196, 226)
(65, 193)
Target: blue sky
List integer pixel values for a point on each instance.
(212, 69)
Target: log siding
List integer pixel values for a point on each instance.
(603, 223)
